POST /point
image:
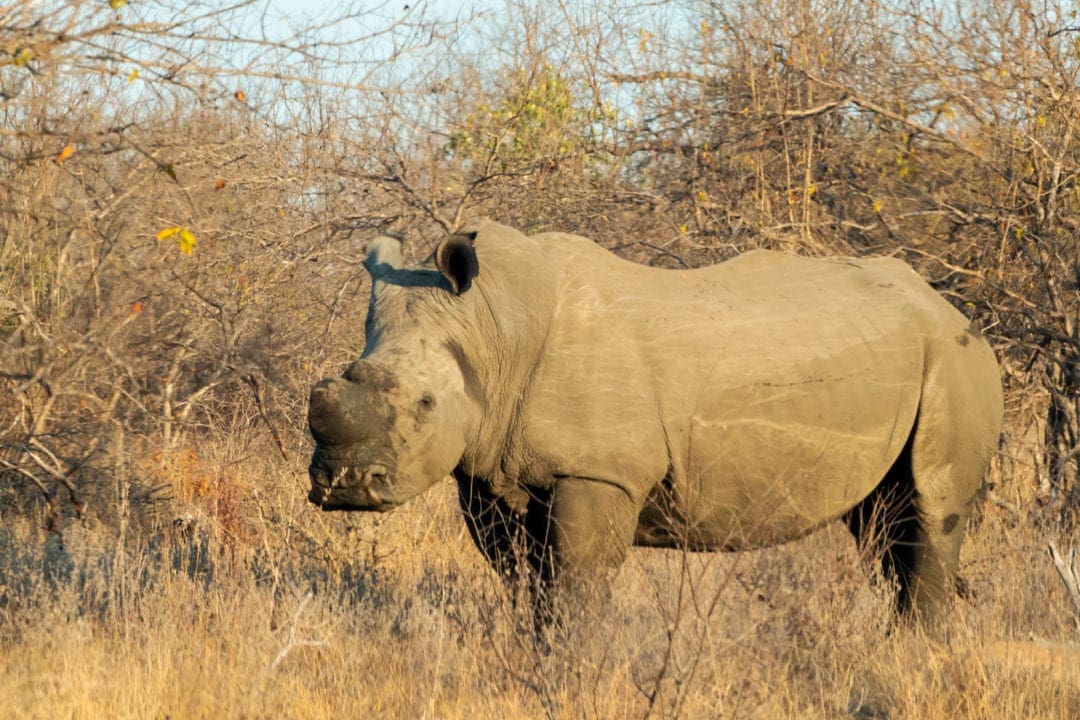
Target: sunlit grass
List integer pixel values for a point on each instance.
(265, 607)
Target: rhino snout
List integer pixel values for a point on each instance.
(325, 412)
(341, 490)
(332, 412)
(375, 473)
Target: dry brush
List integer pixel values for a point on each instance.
(184, 197)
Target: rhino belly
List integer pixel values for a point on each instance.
(770, 467)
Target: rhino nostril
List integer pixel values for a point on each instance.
(374, 474)
(321, 390)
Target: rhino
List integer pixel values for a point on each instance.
(584, 404)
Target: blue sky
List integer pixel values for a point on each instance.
(300, 9)
(370, 17)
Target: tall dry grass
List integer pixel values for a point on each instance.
(254, 604)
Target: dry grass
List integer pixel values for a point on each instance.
(132, 370)
(264, 607)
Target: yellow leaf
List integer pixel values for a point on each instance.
(877, 206)
(643, 41)
(117, 4)
(64, 154)
(168, 232)
(683, 229)
(187, 241)
(133, 75)
(23, 58)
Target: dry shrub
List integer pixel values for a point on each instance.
(158, 557)
(398, 615)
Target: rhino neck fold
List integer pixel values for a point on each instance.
(498, 354)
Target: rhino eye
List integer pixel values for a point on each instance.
(427, 401)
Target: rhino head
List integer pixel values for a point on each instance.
(397, 421)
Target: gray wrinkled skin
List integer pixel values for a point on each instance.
(584, 403)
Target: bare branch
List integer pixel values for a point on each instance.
(1069, 571)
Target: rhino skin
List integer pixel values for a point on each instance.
(585, 403)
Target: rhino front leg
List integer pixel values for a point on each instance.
(501, 532)
(590, 527)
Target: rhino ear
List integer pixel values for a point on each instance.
(383, 253)
(456, 259)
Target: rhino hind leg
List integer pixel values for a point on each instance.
(955, 436)
(916, 517)
(916, 535)
(886, 526)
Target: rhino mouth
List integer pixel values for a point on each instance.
(351, 487)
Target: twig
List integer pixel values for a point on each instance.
(260, 403)
(293, 643)
(56, 470)
(1069, 571)
(665, 252)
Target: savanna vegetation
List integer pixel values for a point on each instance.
(185, 193)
